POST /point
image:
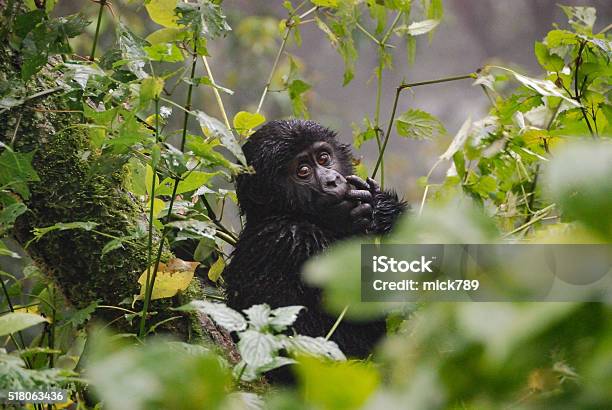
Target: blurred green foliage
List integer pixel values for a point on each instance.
(536, 169)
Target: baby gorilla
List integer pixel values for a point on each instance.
(302, 198)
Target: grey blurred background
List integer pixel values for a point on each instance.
(472, 33)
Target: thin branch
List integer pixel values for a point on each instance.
(95, 40)
(289, 27)
(542, 213)
(395, 101)
(336, 323)
(577, 89)
(217, 94)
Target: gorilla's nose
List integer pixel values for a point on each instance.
(334, 184)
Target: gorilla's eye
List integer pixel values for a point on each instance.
(324, 158)
(303, 171)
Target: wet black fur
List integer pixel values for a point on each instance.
(284, 229)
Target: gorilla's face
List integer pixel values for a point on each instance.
(317, 173)
(301, 170)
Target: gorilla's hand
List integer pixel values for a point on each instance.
(361, 214)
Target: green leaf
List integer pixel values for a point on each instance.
(16, 171)
(132, 50)
(419, 27)
(284, 317)
(213, 128)
(258, 316)
(16, 321)
(166, 52)
(579, 177)
(193, 180)
(205, 18)
(81, 316)
(316, 346)
(205, 150)
(360, 136)
(162, 12)
(166, 35)
(216, 269)
(150, 89)
(550, 62)
(543, 87)
(581, 19)
(224, 316)
(9, 213)
(245, 121)
(257, 349)
(419, 125)
(319, 383)
(325, 3)
(63, 226)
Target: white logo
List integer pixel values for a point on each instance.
(385, 264)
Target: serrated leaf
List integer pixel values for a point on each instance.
(543, 87)
(193, 180)
(83, 315)
(16, 321)
(419, 125)
(284, 316)
(16, 171)
(316, 346)
(213, 128)
(151, 88)
(550, 62)
(257, 349)
(192, 228)
(258, 315)
(421, 27)
(224, 316)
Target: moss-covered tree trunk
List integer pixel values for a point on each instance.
(70, 190)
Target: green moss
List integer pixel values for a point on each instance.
(71, 190)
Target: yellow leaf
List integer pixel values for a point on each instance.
(171, 278)
(162, 12)
(216, 269)
(158, 206)
(149, 179)
(27, 309)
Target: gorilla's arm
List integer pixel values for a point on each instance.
(386, 206)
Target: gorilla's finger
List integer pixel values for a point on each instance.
(361, 210)
(375, 186)
(363, 222)
(358, 182)
(361, 195)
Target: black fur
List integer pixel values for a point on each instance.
(284, 229)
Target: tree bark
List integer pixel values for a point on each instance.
(71, 190)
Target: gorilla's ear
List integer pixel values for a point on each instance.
(251, 194)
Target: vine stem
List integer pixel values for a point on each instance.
(398, 91)
(541, 214)
(289, 27)
(336, 323)
(150, 284)
(217, 94)
(577, 89)
(95, 40)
